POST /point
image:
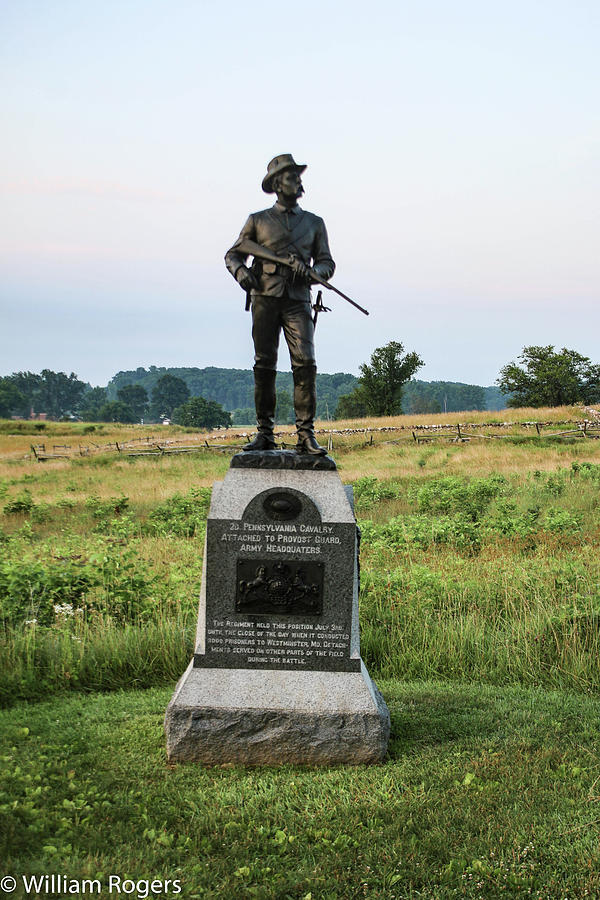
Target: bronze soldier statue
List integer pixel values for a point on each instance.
(279, 292)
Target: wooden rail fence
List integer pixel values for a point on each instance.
(157, 445)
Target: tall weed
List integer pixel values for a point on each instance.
(106, 578)
(368, 491)
(452, 494)
(92, 657)
(483, 619)
(183, 516)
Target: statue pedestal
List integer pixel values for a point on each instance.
(277, 675)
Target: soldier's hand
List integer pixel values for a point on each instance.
(246, 279)
(299, 269)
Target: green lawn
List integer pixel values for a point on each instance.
(487, 792)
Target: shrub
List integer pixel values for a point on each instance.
(423, 532)
(368, 491)
(506, 519)
(109, 581)
(29, 588)
(589, 471)
(453, 494)
(180, 516)
(561, 521)
(22, 503)
(126, 590)
(555, 483)
(102, 509)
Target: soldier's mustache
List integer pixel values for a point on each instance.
(300, 191)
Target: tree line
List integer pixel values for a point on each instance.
(386, 386)
(542, 376)
(233, 389)
(62, 396)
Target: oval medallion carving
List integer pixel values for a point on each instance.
(282, 506)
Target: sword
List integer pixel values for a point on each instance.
(319, 308)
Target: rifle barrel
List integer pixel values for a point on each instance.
(330, 287)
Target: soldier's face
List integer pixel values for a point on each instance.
(290, 184)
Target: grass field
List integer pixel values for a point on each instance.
(486, 793)
(480, 619)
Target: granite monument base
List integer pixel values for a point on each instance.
(256, 718)
(277, 675)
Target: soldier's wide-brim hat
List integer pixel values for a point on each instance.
(279, 164)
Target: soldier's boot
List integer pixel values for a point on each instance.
(305, 406)
(264, 401)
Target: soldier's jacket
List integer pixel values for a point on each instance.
(284, 231)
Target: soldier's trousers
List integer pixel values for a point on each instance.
(271, 315)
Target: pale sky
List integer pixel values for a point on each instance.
(453, 149)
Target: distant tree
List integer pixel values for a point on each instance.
(329, 390)
(422, 404)
(29, 386)
(135, 397)
(381, 381)
(12, 400)
(352, 405)
(116, 411)
(91, 403)
(243, 415)
(549, 378)
(284, 410)
(169, 392)
(494, 398)
(60, 393)
(51, 392)
(200, 413)
(442, 396)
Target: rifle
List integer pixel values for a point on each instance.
(249, 248)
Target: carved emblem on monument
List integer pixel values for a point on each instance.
(265, 588)
(282, 506)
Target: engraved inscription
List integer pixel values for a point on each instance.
(267, 642)
(264, 588)
(280, 537)
(279, 592)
